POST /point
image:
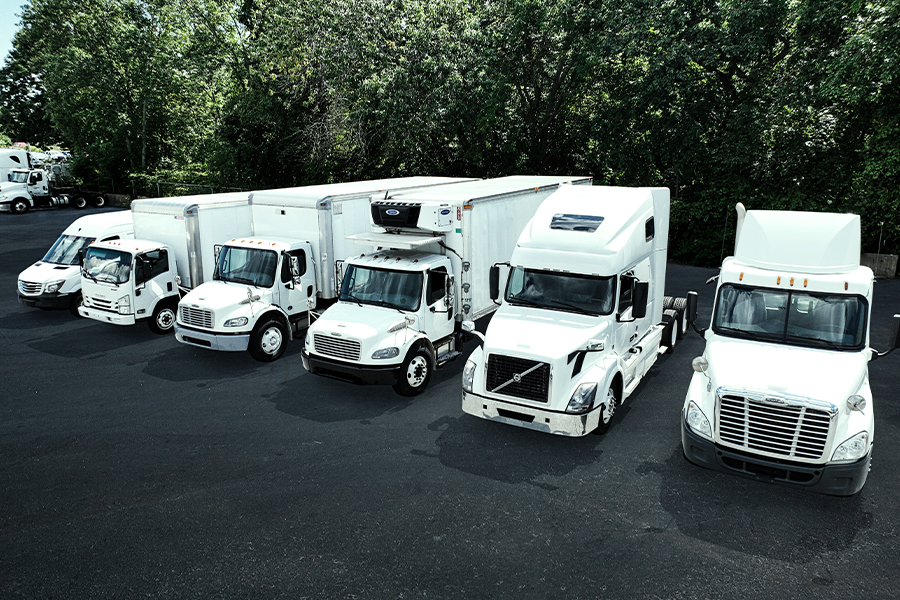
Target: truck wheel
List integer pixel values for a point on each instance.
(608, 411)
(268, 341)
(415, 373)
(99, 201)
(670, 329)
(680, 305)
(163, 319)
(75, 303)
(668, 302)
(19, 206)
(79, 202)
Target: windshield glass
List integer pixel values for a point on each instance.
(791, 317)
(397, 289)
(65, 250)
(110, 266)
(552, 290)
(249, 266)
(18, 176)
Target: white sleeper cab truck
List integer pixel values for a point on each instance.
(54, 282)
(173, 251)
(35, 188)
(267, 282)
(582, 317)
(401, 306)
(12, 159)
(781, 392)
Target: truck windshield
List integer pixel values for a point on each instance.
(110, 266)
(791, 317)
(396, 289)
(250, 266)
(586, 294)
(19, 177)
(65, 250)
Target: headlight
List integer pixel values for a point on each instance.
(856, 402)
(385, 353)
(54, 286)
(124, 305)
(238, 322)
(307, 341)
(469, 375)
(583, 398)
(697, 421)
(854, 448)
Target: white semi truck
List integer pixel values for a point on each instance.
(582, 317)
(12, 159)
(35, 188)
(781, 392)
(124, 282)
(54, 282)
(401, 306)
(267, 282)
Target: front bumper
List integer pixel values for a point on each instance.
(835, 480)
(47, 301)
(237, 342)
(537, 419)
(106, 316)
(354, 373)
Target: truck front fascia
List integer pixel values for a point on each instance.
(529, 417)
(225, 342)
(843, 479)
(106, 316)
(48, 301)
(352, 372)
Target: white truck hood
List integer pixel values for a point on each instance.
(42, 272)
(825, 375)
(219, 295)
(523, 331)
(358, 322)
(8, 187)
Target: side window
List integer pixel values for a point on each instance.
(649, 229)
(625, 291)
(286, 265)
(112, 237)
(437, 284)
(158, 261)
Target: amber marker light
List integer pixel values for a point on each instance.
(741, 278)
(792, 282)
(805, 282)
(778, 281)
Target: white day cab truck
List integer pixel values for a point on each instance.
(54, 282)
(128, 281)
(38, 188)
(781, 392)
(583, 315)
(401, 306)
(267, 281)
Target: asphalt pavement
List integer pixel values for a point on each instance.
(136, 467)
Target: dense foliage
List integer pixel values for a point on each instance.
(773, 103)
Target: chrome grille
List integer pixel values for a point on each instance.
(29, 288)
(778, 425)
(337, 347)
(518, 377)
(196, 317)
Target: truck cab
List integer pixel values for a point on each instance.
(24, 185)
(124, 282)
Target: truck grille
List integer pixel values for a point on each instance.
(196, 317)
(337, 347)
(778, 425)
(518, 377)
(30, 289)
(101, 304)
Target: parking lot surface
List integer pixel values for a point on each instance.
(136, 467)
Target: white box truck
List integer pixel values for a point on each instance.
(268, 281)
(781, 392)
(401, 306)
(54, 282)
(582, 317)
(173, 251)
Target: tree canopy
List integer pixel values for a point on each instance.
(776, 104)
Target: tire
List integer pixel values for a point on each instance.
(163, 319)
(670, 330)
(74, 304)
(19, 206)
(268, 341)
(415, 373)
(680, 305)
(608, 412)
(98, 201)
(79, 202)
(668, 302)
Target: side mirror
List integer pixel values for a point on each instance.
(309, 291)
(494, 281)
(691, 310)
(895, 332)
(81, 254)
(639, 294)
(295, 268)
(469, 328)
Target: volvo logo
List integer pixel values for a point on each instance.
(392, 211)
(517, 378)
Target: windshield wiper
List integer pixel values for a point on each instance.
(573, 307)
(244, 280)
(828, 343)
(525, 301)
(88, 273)
(345, 296)
(742, 333)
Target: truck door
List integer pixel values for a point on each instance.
(152, 281)
(37, 184)
(629, 330)
(438, 313)
(296, 285)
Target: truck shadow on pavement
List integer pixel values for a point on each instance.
(185, 363)
(509, 454)
(85, 338)
(755, 517)
(336, 401)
